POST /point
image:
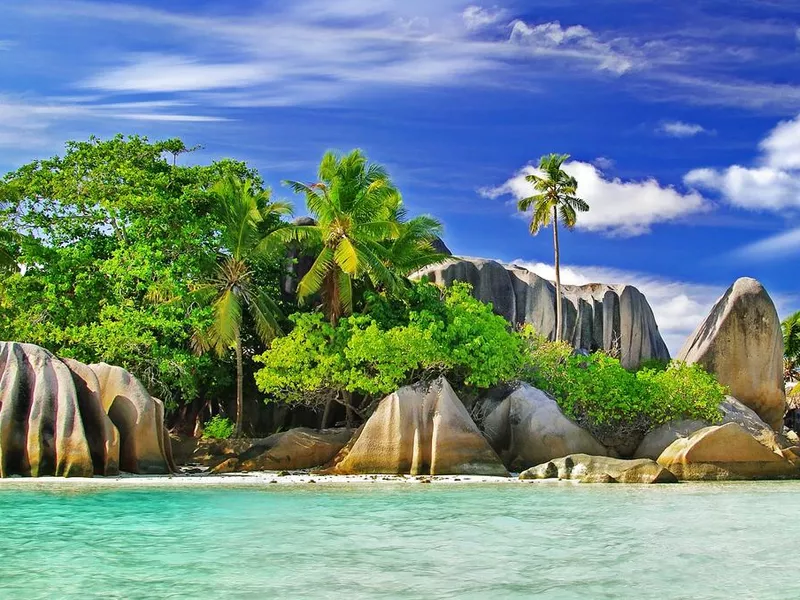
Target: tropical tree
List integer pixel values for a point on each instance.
(356, 211)
(555, 200)
(246, 214)
(791, 346)
(8, 263)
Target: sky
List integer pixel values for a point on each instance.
(682, 119)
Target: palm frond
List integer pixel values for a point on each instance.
(227, 321)
(311, 283)
(265, 315)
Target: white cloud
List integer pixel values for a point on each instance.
(617, 207)
(477, 17)
(603, 162)
(681, 129)
(679, 307)
(772, 184)
(783, 244)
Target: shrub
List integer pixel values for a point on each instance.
(218, 428)
(434, 331)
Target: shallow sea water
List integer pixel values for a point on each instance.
(734, 540)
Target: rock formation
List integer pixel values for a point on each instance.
(731, 410)
(616, 318)
(300, 448)
(419, 430)
(58, 417)
(726, 452)
(601, 469)
(741, 343)
(528, 428)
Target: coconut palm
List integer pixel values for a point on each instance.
(245, 211)
(353, 207)
(791, 346)
(556, 200)
(414, 247)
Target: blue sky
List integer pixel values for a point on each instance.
(681, 118)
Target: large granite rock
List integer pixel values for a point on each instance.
(41, 424)
(300, 448)
(726, 452)
(731, 411)
(741, 343)
(527, 428)
(419, 430)
(615, 318)
(601, 469)
(145, 446)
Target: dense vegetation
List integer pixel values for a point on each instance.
(115, 252)
(791, 347)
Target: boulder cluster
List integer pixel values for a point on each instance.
(62, 417)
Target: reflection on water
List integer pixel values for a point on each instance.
(402, 541)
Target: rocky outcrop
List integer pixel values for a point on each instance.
(740, 342)
(601, 469)
(727, 452)
(62, 417)
(300, 448)
(145, 446)
(419, 430)
(615, 318)
(731, 411)
(527, 428)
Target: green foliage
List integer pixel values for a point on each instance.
(102, 231)
(218, 428)
(791, 346)
(431, 332)
(598, 392)
(556, 195)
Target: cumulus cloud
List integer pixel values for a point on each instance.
(773, 183)
(681, 129)
(618, 207)
(679, 306)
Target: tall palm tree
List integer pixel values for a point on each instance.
(556, 199)
(244, 213)
(791, 346)
(352, 206)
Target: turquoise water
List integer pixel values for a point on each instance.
(402, 541)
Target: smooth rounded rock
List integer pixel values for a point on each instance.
(601, 469)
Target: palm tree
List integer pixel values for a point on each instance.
(791, 346)
(555, 200)
(352, 206)
(245, 211)
(413, 248)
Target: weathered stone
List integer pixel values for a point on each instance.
(41, 425)
(421, 430)
(725, 452)
(615, 318)
(300, 448)
(740, 342)
(145, 446)
(527, 428)
(101, 434)
(601, 469)
(732, 411)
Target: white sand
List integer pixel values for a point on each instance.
(251, 479)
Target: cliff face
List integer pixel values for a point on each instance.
(596, 316)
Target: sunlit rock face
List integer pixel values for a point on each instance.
(64, 418)
(614, 318)
(741, 343)
(419, 430)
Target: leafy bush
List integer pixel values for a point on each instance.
(433, 331)
(218, 428)
(600, 394)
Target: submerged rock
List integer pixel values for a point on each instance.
(299, 448)
(741, 343)
(601, 469)
(726, 452)
(527, 428)
(419, 430)
(615, 318)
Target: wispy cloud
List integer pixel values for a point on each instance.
(618, 207)
(681, 129)
(784, 245)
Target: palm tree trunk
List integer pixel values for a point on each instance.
(239, 387)
(559, 316)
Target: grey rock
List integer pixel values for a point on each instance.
(601, 469)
